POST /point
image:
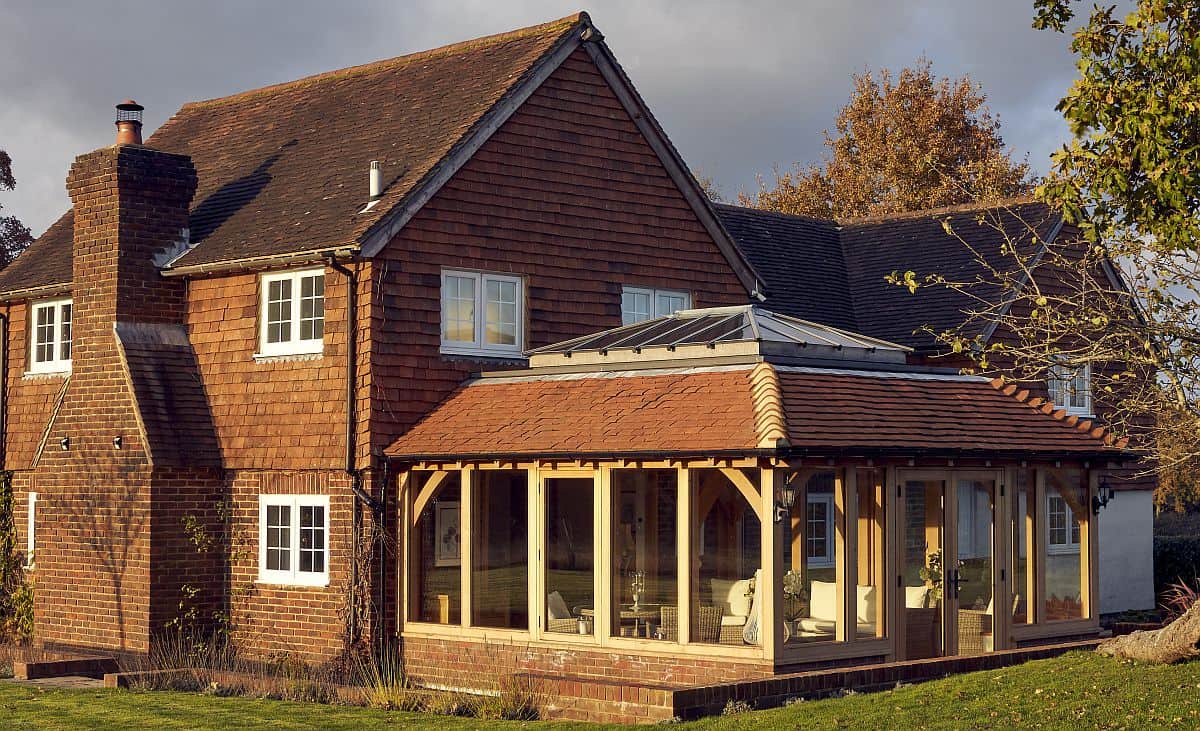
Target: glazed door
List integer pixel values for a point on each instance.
(970, 586)
(948, 569)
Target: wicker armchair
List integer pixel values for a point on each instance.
(708, 627)
(570, 626)
(974, 631)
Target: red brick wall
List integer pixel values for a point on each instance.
(477, 664)
(570, 195)
(30, 398)
(303, 621)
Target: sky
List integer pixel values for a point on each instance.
(740, 87)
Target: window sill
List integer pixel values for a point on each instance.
(320, 583)
(286, 357)
(478, 354)
(34, 375)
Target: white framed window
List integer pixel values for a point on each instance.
(30, 514)
(50, 344)
(1071, 389)
(482, 313)
(293, 539)
(1061, 525)
(819, 534)
(639, 304)
(292, 313)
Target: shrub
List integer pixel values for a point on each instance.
(735, 707)
(1179, 597)
(519, 697)
(384, 683)
(1176, 558)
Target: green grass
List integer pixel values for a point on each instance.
(1079, 690)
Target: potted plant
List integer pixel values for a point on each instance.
(795, 600)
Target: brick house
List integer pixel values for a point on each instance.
(448, 347)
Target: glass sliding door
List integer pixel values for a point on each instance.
(1065, 506)
(570, 554)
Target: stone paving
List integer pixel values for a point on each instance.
(66, 681)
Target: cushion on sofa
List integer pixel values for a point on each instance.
(866, 603)
(730, 595)
(916, 596)
(822, 603)
(557, 607)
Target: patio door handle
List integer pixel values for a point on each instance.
(956, 580)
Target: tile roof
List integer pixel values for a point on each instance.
(836, 271)
(800, 260)
(745, 409)
(939, 413)
(169, 396)
(284, 169)
(612, 413)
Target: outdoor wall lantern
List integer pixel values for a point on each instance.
(64, 444)
(1104, 494)
(785, 500)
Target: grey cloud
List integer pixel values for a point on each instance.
(739, 87)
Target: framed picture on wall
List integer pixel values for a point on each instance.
(447, 535)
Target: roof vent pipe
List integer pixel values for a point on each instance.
(376, 179)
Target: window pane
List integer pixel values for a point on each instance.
(64, 349)
(279, 311)
(1024, 517)
(667, 303)
(570, 555)
(1064, 578)
(730, 539)
(635, 307)
(437, 556)
(44, 334)
(500, 550)
(810, 582)
(312, 307)
(870, 551)
(501, 320)
(644, 550)
(312, 538)
(279, 532)
(458, 309)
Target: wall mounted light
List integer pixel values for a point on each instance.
(64, 444)
(117, 442)
(1104, 495)
(785, 500)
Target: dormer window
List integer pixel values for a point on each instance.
(1071, 388)
(639, 304)
(292, 313)
(50, 346)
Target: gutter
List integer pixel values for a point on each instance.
(345, 253)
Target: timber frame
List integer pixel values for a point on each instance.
(757, 480)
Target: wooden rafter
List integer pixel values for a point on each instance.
(427, 492)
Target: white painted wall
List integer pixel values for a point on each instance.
(1127, 552)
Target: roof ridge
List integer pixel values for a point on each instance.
(1086, 426)
(563, 23)
(777, 214)
(924, 212)
(770, 420)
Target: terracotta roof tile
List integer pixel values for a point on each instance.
(675, 412)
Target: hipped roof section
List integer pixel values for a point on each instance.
(835, 271)
(763, 409)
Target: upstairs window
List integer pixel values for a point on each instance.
(292, 313)
(1064, 529)
(482, 314)
(639, 304)
(293, 539)
(50, 346)
(1071, 389)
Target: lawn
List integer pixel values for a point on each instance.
(1079, 690)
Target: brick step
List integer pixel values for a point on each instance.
(578, 698)
(87, 666)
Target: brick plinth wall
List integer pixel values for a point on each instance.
(476, 663)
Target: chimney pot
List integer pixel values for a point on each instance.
(129, 123)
